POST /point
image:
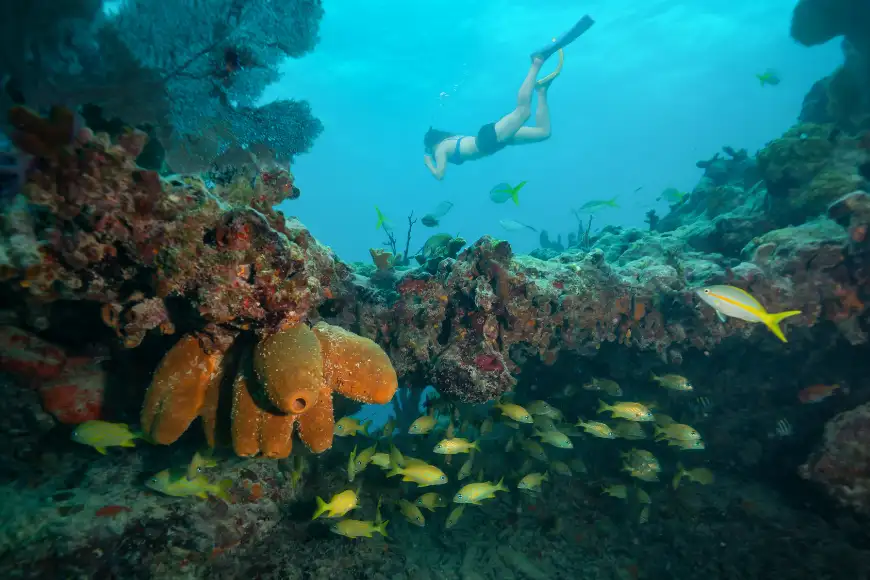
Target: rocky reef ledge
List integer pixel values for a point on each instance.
(96, 252)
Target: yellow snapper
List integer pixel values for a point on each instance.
(629, 411)
(200, 462)
(693, 445)
(737, 303)
(676, 431)
(466, 468)
(700, 475)
(642, 496)
(348, 427)
(515, 412)
(297, 470)
(555, 438)
(608, 386)
(389, 427)
(544, 423)
(175, 482)
(363, 459)
(544, 409)
(431, 500)
(629, 430)
(454, 516)
(643, 517)
(673, 382)
(422, 425)
(617, 490)
(359, 528)
(578, 465)
(422, 474)
(338, 506)
(642, 473)
(533, 481)
(378, 518)
(102, 434)
(351, 467)
(412, 513)
(641, 459)
(534, 449)
(456, 445)
(382, 460)
(662, 420)
(396, 457)
(597, 429)
(561, 468)
(474, 493)
(486, 427)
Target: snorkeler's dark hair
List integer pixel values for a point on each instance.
(433, 137)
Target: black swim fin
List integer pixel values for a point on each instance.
(582, 26)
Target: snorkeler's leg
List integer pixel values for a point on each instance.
(541, 130)
(508, 125)
(582, 26)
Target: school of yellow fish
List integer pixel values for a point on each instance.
(531, 427)
(519, 428)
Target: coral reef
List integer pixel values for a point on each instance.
(192, 72)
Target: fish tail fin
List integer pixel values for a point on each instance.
(500, 485)
(677, 477)
(474, 446)
(381, 218)
(128, 443)
(395, 470)
(381, 528)
(546, 476)
(321, 507)
(772, 322)
(657, 431)
(223, 489)
(102, 450)
(365, 427)
(602, 406)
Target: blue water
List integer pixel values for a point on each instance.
(652, 88)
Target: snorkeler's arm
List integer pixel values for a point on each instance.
(438, 165)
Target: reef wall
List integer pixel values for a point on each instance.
(129, 257)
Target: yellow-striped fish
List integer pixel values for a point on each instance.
(737, 303)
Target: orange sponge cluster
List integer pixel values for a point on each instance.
(287, 381)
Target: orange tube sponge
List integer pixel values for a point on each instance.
(355, 366)
(289, 365)
(256, 430)
(316, 427)
(178, 390)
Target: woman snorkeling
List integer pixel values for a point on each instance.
(443, 147)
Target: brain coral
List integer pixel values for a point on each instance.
(287, 381)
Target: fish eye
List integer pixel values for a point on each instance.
(459, 496)
(442, 477)
(340, 427)
(706, 290)
(153, 480)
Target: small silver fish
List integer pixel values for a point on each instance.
(514, 226)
